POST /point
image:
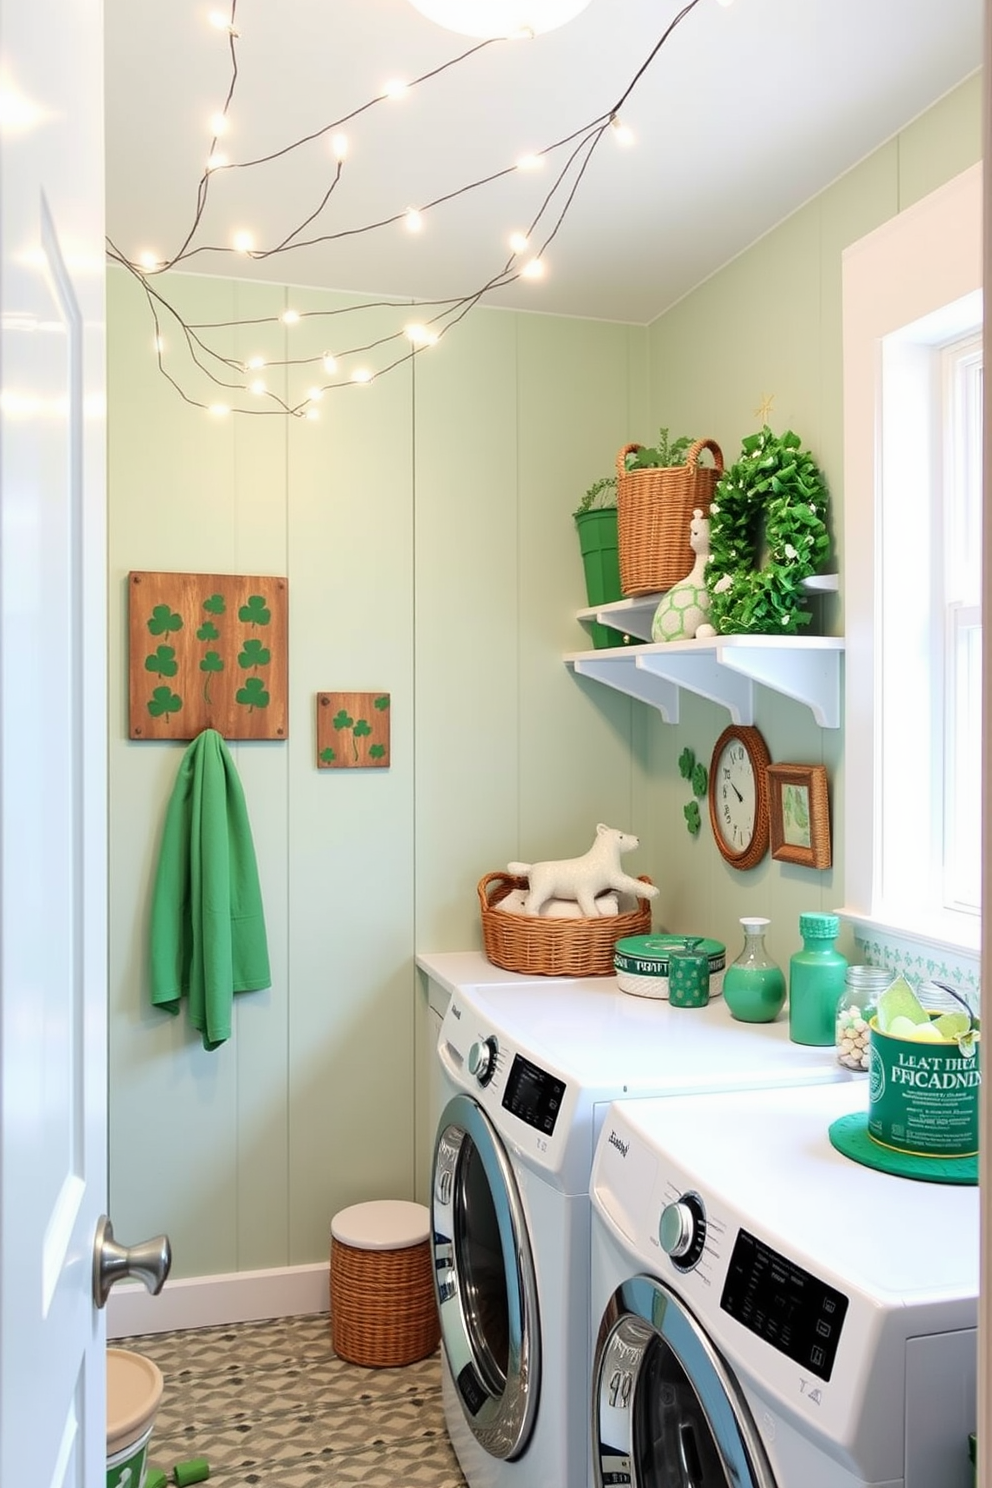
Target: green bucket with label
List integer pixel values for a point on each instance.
(134, 1390)
(923, 1096)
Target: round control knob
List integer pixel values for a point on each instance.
(682, 1231)
(675, 1229)
(482, 1059)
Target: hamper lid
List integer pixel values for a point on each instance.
(382, 1224)
(134, 1389)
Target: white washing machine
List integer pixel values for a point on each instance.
(529, 1067)
(769, 1313)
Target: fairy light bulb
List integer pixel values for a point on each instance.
(621, 132)
(339, 146)
(413, 219)
(159, 345)
(395, 88)
(148, 260)
(315, 394)
(533, 269)
(312, 414)
(330, 365)
(258, 387)
(218, 125)
(216, 161)
(289, 317)
(243, 242)
(529, 163)
(254, 363)
(518, 242)
(420, 335)
(219, 20)
(219, 410)
(361, 375)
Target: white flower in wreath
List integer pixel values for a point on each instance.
(790, 551)
(722, 585)
(714, 508)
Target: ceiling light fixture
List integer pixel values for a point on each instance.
(491, 18)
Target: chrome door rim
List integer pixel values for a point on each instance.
(504, 1420)
(656, 1311)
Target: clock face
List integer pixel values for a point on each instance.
(738, 796)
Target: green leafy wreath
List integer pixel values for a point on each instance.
(774, 492)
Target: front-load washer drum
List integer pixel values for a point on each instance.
(667, 1411)
(485, 1280)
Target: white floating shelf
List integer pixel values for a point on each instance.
(722, 668)
(634, 616)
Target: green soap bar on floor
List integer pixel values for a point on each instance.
(156, 1478)
(196, 1470)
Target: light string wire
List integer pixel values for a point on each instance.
(552, 210)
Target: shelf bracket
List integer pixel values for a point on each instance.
(701, 672)
(808, 676)
(624, 673)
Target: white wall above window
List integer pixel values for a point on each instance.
(910, 288)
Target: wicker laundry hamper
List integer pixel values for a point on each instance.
(383, 1310)
(654, 510)
(542, 946)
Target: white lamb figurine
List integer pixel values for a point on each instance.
(583, 879)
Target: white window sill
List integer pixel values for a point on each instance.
(939, 951)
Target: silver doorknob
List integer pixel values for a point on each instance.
(150, 1262)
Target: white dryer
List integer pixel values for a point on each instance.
(769, 1313)
(529, 1067)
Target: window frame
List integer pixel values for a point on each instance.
(904, 275)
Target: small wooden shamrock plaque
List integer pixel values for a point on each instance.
(207, 651)
(352, 730)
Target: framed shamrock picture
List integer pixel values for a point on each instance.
(799, 809)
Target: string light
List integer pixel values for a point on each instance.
(148, 260)
(621, 133)
(254, 363)
(315, 394)
(218, 125)
(243, 242)
(258, 387)
(395, 88)
(578, 148)
(414, 220)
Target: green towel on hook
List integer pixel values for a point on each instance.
(207, 927)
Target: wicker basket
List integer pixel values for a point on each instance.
(654, 510)
(547, 947)
(383, 1309)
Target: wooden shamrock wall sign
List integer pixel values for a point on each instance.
(352, 730)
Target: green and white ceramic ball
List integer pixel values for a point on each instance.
(680, 612)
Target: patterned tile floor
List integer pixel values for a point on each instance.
(270, 1403)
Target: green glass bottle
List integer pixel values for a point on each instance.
(816, 981)
(754, 986)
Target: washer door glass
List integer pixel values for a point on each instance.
(484, 1279)
(668, 1412)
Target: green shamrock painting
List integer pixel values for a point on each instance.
(352, 730)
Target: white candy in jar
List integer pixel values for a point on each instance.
(852, 1038)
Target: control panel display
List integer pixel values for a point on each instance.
(783, 1304)
(533, 1095)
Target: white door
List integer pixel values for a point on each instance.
(52, 742)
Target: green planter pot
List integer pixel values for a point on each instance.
(601, 562)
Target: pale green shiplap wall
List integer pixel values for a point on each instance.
(424, 525)
(770, 323)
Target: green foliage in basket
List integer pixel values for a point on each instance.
(773, 497)
(603, 492)
(665, 453)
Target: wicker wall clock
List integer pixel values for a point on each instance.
(738, 795)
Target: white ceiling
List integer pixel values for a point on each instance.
(745, 113)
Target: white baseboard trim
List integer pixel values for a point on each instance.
(211, 1301)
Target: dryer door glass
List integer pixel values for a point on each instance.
(668, 1412)
(485, 1281)
(479, 1261)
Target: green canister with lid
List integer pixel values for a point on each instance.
(816, 981)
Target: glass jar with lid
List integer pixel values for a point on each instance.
(863, 986)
